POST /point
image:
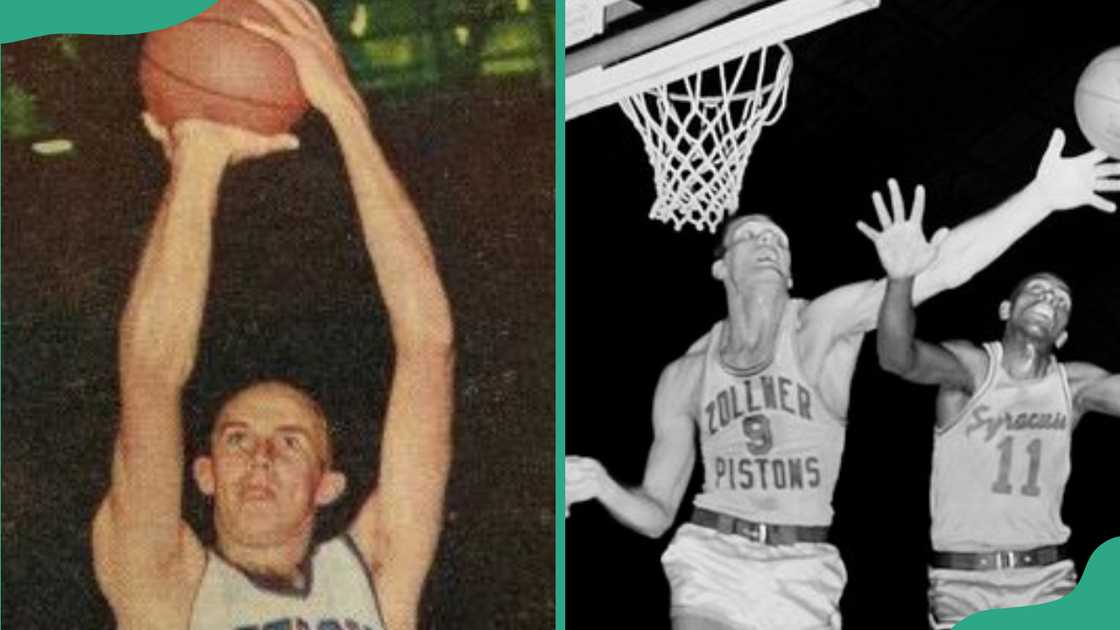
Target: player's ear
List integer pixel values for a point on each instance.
(331, 486)
(203, 469)
(719, 269)
(1004, 310)
(1061, 340)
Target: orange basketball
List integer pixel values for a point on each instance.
(211, 67)
(1097, 102)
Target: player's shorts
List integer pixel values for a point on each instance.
(954, 593)
(750, 586)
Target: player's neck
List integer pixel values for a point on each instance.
(754, 317)
(1026, 357)
(281, 562)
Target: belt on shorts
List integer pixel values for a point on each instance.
(765, 533)
(1037, 557)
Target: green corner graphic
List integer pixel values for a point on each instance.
(22, 19)
(1093, 605)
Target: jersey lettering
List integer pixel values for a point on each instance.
(742, 473)
(755, 394)
(981, 419)
(297, 623)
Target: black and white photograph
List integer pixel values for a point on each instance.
(278, 320)
(842, 309)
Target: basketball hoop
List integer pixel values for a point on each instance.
(699, 131)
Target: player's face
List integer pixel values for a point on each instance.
(1042, 306)
(268, 454)
(756, 245)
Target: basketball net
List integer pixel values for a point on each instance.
(699, 131)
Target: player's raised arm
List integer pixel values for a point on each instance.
(650, 508)
(1059, 184)
(140, 541)
(904, 253)
(398, 527)
(1094, 389)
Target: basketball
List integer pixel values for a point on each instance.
(211, 67)
(1097, 102)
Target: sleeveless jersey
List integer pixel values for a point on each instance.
(339, 596)
(1000, 469)
(771, 450)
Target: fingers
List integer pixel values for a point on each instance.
(285, 142)
(881, 210)
(919, 211)
(939, 236)
(1101, 203)
(157, 131)
(867, 231)
(286, 15)
(1057, 143)
(267, 32)
(311, 15)
(1095, 156)
(1108, 169)
(897, 204)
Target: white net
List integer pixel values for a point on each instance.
(699, 131)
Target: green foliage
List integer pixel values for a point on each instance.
(19, 113)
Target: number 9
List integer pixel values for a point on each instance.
(756, 428)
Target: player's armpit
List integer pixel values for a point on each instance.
(142, 586)
(1094, 389)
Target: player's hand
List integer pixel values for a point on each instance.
(223, 142)
(307, 40)
(584, 479)
(1066, 183)
(902, 246)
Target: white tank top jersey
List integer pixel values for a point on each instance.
(339, 596)
(771, 450)
(1000, 468)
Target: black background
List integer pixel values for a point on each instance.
(960, 95)
(292, 295)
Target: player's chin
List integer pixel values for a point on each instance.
(264, 518)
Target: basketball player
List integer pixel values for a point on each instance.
(1005, 415)
(268, 469)
(765, 392)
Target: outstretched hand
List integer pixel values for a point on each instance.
(1076, 181)
(305, 37)
(584, 478)
(231, 144)
(902, 246)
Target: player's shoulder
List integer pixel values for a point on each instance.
(685, 369)
(1080, 372)
(975, 358)
(680, 379)
(966, 350)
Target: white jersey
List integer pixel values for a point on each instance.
(339, 595)
(771, 449)
(1000, 468)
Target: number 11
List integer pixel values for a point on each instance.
(1002, 484)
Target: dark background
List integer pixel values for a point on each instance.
(960, 95)
(292, 295)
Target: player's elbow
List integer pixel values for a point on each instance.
(895, 360)
(426, 327)
(657, 528)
